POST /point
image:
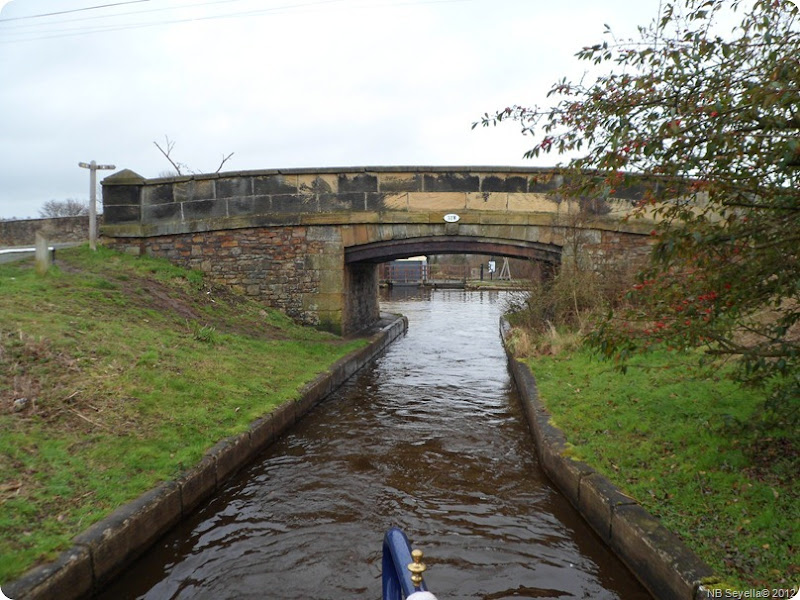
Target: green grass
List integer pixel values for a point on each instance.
(677, 440)
(131, 368)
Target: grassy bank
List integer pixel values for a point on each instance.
(117, 373)
(673, 438)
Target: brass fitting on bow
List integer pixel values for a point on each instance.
(417, 567)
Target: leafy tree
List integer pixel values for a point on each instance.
(711, 115)
(64, 208)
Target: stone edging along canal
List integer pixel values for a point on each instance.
(107, 547)
(658, 559)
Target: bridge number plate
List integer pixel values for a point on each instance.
(452, 218)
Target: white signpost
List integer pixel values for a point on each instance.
(93, 167)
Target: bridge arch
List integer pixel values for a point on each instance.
(361, 264)
(385, 251)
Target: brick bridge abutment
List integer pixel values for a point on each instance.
(308, 241)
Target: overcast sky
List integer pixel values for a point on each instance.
(280, 83)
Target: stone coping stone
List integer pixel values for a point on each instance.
(106, 548)
(333, 170)
(657, 557)
(72, 571)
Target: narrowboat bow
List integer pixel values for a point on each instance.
(402, 569)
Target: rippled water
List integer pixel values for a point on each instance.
(431, 439)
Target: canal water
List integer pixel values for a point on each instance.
(432, 439)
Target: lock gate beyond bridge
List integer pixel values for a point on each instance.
(309, 241)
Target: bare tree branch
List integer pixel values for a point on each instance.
(181, 167)
(224, 160)
(170, 146)
(64, 208)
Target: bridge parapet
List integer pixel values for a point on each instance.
(135, 206)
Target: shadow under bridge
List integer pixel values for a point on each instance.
(362, 306)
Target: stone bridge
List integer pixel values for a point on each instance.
(308, 241)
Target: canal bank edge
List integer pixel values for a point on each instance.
(656, 556)
(107, 547)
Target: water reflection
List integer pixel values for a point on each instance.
(430, 439)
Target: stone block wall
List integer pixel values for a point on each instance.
(362, 306)
(621, 249)
(58, 230)
(280, 265)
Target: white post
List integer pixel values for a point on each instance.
(93, 205)
(93, 166)
(43, 258)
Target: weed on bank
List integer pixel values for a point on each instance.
(117, 373)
